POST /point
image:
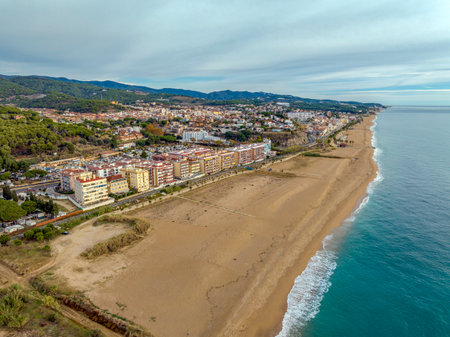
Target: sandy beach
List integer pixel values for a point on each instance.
(221, 259)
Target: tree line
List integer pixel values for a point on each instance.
(27, 133)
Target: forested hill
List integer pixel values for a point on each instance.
(9, 88)
(25, 133)
(95, 96)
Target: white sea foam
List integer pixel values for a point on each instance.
(376, 157)
(312, 284)
(308, 290)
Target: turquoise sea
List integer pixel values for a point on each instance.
(386, 270)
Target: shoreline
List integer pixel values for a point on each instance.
(273, 314)
(317, 246)
(221, 259)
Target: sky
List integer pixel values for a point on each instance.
(386, 51)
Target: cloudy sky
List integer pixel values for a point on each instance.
(388, 51)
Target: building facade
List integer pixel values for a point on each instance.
(68, 177)
(181, 169)
(209, 164)
(226, 160)
(117, 184)
(137, 178)
(90, 191)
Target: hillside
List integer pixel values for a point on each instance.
(25, 133)
(94, 96)
(9, 89)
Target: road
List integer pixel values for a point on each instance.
(36, 186)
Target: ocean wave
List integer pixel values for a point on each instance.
(312, 284)
(376, 158)
(308, 290)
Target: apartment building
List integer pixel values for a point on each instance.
(267, 145)
(300, 115)
(68, 177)
(243, 154)
(90, 191)
(226, 159)
(195, 151)
(196, 136)
(106, 170)
(181, 168)
(137, 178)
(117, 184)
(258, 152)
(101, 172)
(209, 164)
(194, 166)
(162, 173)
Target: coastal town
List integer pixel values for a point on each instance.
(200, 141)
(224, 168)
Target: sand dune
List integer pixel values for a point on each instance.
(222, 259)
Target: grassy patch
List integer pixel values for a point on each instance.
(312, 154)
(48, 286)
(28, 312)
(315, 154)
(138, 229)
(26, 257)
(174, 188)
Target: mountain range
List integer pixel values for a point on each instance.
(28, 91)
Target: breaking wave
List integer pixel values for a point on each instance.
(312, 284)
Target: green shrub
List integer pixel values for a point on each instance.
(12, 302)
(28, 235)
(139, 228)
(4, 239)
(39, 236)
(51, 317)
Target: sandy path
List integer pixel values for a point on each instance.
(68, 263)
(221, 259)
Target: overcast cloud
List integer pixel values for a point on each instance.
(388, 51)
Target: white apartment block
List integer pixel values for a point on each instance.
(90, 191)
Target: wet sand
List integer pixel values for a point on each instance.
(221, 259)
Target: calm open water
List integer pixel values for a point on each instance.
(386, 271)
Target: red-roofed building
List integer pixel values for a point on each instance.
(117, 184)
(67, 178)
(90, 191)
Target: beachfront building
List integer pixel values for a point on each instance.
(226, 159)
(90, 191)
(181, 168)
(117, 184)
(68, 177)
(194, 167)
(137, 178)
(162, 173)
(243, 154)
(209, 164)
(267, 146)
(258, 152)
